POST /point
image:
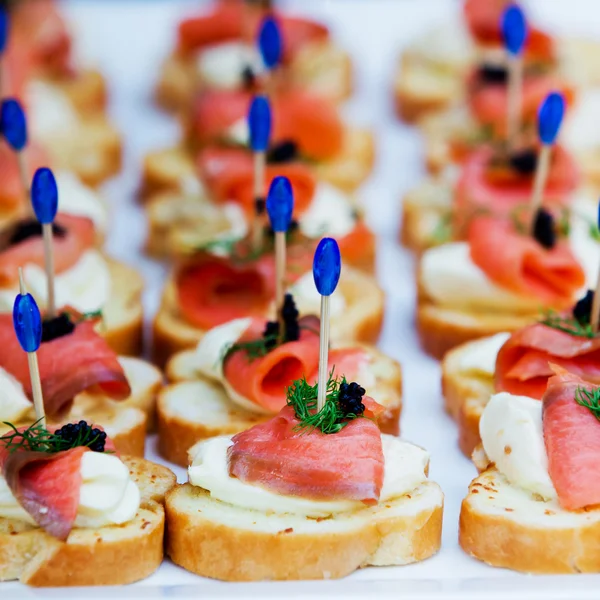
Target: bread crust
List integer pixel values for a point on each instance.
(109, 556)
(212, 549)
(362, 319)
(508, 541)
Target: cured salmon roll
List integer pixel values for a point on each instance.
(299, 500)
(238, 373)
(217, 50)
(222, 212)
(534, 506)
(211, 291)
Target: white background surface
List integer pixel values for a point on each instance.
(127, 40)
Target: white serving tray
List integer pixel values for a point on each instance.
(127, 40)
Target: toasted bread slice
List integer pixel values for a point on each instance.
(173, 169)
(195, 407)
(179, 224)
(361, 319)
(321, 67)
(508, 527)
(221, 541)
(108, 556)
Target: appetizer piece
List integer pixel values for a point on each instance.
(534, 506)
(238, 373)
(432, 71)
(65, 102)
(498, 280)
(103, 524)
(220, 49)
(517, 363)
(291, 498)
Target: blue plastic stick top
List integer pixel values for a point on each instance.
(269, 42)
(327, 266)
(3, 29)
(550, 116)
(514, 29)
(44, 195)
(27, 322)
(598, 222)
(259, 123)
(280, 204)
(13, 124)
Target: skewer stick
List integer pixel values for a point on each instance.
(260, 161)
(327, 265)
(514, 32)
(595, 316)
(541, 176)
(28, 328)
(44, 199)
(280, 206)
(3, 40)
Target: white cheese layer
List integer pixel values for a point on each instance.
(107, 495)
(479, 357)
(308, 300)
(238, 132)
(448, 44)
(512, 437)
(14, 404)
(85, 286)
(76, 198)
(405, 466)
(451, 279)
(580, 130)
(330, 213)
(50, 112)
(222, 65)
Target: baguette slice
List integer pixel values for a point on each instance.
(221, 541)
(173, 169)
(361, 319)
(508, 527)
(114, 555)
(179, 223)
(321, 67)
(194, 407)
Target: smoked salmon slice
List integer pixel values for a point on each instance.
(572, 440)
(75, 237)
(520, 264)
(70, 364)
(265, 380)
(280, 458)
(523, 368)
(489, 101)
(232, 20)
(47, 486)
(309, 120)
(213, 290)
(229, 175)
(483, 18)
(480, 189)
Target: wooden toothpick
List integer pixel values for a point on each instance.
(323, 353)
(49, 266)
(515, 91)
(260, 161)
(541, 176)
(280, 264)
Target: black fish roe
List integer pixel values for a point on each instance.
(271, 334)
(544, 230)
(291, 229)
(285, 151)
(524, 161)
(248, 77)
(350, 398)
(82, 434)
(259, 205)
(583, 309)
(29, 228)
(290, 315)
(492, 73)
(57, 327)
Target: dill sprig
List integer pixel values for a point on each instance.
(568, 324)
(254, 348)
(590, 399)
(38, 439)
(302, 397)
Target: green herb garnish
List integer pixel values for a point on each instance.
(38, 439)
(568, 324)
(332, 418)
(590, 399)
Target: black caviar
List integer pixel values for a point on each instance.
(583, 309)
(285, 151)
(57, 327)
(289, 314)
(544, 230)
(82, 434)
(248, 77)
(350, 398)
(29, 228)
(489, 73)
(292, 228)
(524, 161)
